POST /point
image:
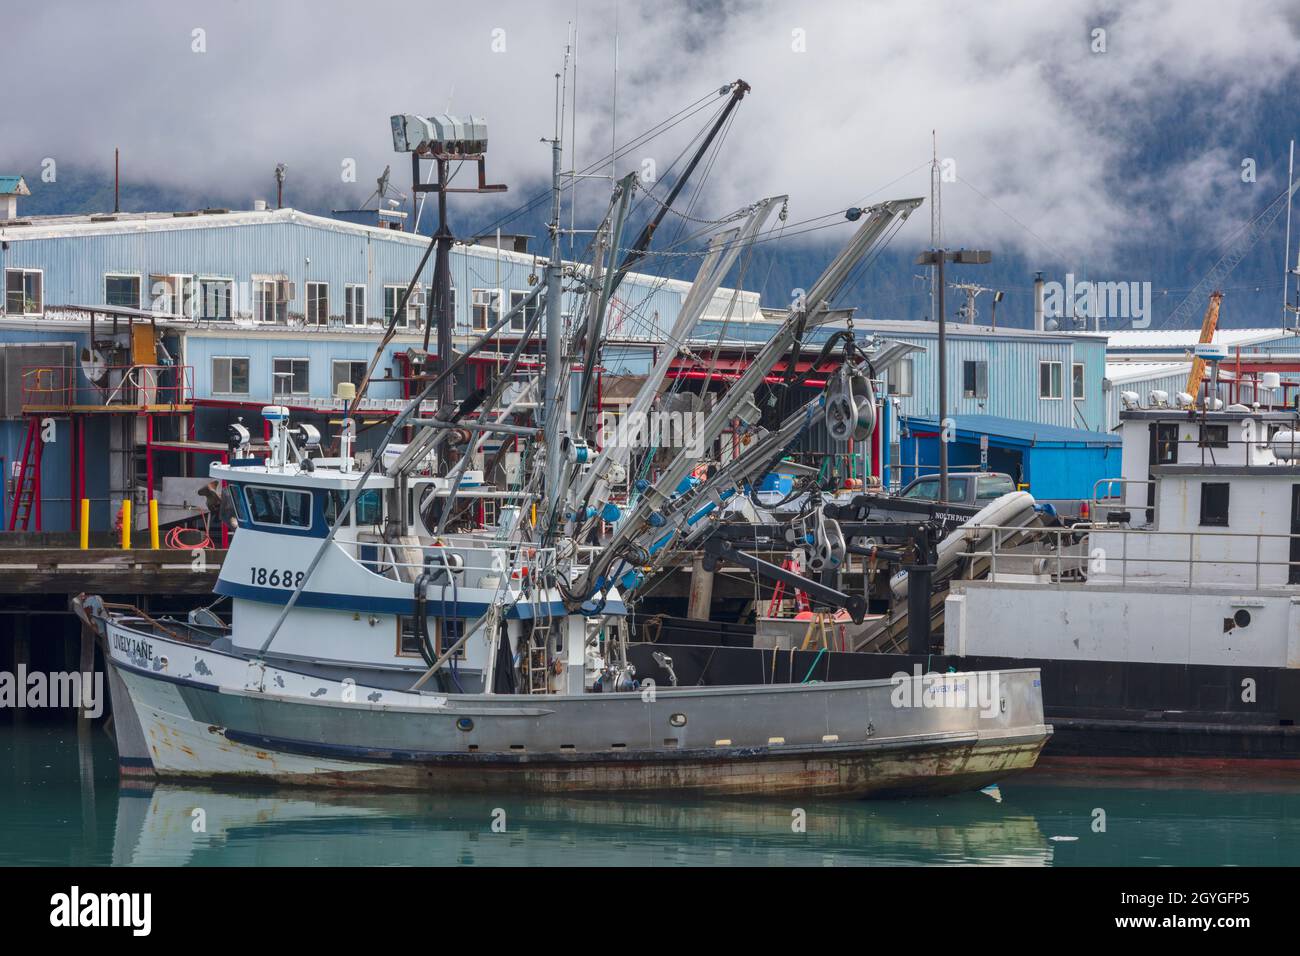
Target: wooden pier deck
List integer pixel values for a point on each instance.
(51, 563)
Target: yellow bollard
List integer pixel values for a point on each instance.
(153, 523)
(85, 523)
(126, 524)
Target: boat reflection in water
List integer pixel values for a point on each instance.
(167, 825)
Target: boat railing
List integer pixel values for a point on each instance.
(1109, 554)
(405, 562)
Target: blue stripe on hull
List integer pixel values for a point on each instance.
(382, 605)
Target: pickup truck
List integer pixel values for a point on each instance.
(964, 488)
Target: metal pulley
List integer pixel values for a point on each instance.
(850, 407)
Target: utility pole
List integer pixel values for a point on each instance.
(937, 258)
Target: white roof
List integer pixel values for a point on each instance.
(1123, 373)
(1184, 339)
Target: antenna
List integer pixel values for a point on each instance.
(1286, 250)
(613, 115)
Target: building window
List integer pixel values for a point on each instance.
(122, 291)
(520, 322)
(215, 298)
(346, 370)
(1214, 436)
(1076, 381)
(1049, 379)
(279, 506)
(271, 299)
(899, 378)
(289, 376)
(485, 308)
(173, 295)
(24, 291)
(393, 295)
(975, 379)
(1214, 504)
(229, 375)
(318, 303)
(354, 304)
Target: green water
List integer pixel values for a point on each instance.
(62, 804)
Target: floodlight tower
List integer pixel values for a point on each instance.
(443, 139)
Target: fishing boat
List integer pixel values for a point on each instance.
(371, 641)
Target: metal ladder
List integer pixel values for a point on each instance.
(538, 663)
(27, 491)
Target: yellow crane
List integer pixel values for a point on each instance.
(1208, 325)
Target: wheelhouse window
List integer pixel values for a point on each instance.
(354, 304)
(975, 379)
(229, 375)
(215, 298)
(318, 303)
(1214, 504)
(290, 376)
(370, 507)
(1049, 380)
(1077, 391)
(1166, 443)
(899, 378)
(485, 308)
(347, 370)
(278, 506)
(24, 291)
(1214, 436)
(122, 290)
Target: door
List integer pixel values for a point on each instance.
(1293, 572)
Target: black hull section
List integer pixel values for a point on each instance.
(1106, 714)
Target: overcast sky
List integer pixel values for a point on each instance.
(1050, 135)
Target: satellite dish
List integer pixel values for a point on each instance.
(1052, 325)
(93, 365)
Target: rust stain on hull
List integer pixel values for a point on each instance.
(929, 770)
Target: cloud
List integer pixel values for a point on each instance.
(1051, 139)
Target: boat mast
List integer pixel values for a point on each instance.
(554, 406)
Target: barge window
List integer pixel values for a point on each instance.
(1166, 444)
(1214, 436)
(276, 506)
(122, 290)
(1214, 504)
